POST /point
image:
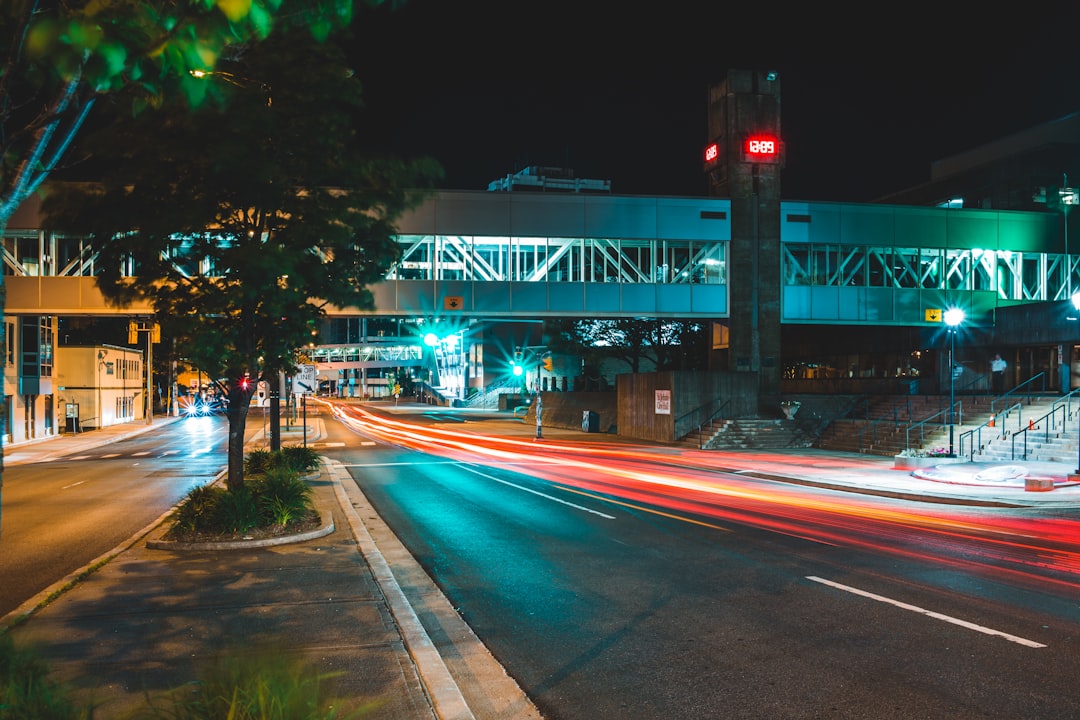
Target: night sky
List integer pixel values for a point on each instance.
(617, 91)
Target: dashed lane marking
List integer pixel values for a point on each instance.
(929, 613)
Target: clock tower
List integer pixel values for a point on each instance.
(743, 157)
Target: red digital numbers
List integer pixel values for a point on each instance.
(761, 146)
(712, 152)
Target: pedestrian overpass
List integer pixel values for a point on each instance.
(522, 255)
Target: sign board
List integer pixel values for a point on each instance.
(933, 314)
(453, 302)
(303, 382)
(663, 402)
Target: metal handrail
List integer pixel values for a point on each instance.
(926, 420)
(1014, 390)
(707, 421)
(1033, 425)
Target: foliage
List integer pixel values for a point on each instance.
(237, 510)
(62, 57)
(198, 510)
(293, 457)
(926, 453)
(26, 691)
(258, 461)
(283, 496)
(253, 683)
(250, 683)
(299, 458)
(242, 219)
(641, 343)
(276, 496)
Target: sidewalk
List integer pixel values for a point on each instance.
(154, 612)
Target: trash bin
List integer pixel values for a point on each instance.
(590, 421)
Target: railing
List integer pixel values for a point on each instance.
(710, 420)
(717, 415)
(997, 422)
(921, 425)
(1048, 420)
(1016, 390)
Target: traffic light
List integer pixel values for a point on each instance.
(548, 363)
(245, 382)
(515, 364)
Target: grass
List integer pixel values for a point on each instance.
(253, 683)
(250, 683)
(27, 691)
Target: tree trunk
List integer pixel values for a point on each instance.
(239, 402)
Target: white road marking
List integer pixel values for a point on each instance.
(140, 454)
(169, 452)
(929, 613)
(337, 444)
(110, 455)
(65, 487)
(543, 495)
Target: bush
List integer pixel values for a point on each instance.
(26, 691)
(260, 683)
(283, 496)
(295, 457)
(274, 495)
(238, 510)
(299, 458)
(258, 461)
(199, 509)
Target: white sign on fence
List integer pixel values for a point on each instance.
(663, 402)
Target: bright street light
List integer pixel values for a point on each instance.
(953, 318)
(1076, 304)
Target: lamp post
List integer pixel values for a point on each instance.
(953, 318)
(1076, 304)
(1068, 197)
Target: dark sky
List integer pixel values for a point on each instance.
(617, 91)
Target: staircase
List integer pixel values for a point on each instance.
(749, 433)
(1037, 432)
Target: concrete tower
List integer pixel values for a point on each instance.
(744, 155)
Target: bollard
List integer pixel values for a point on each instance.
(990, 423)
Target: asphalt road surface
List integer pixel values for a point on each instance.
(614, 587)
(61, 515)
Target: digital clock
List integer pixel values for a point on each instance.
(762, 146)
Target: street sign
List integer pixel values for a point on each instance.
(303, 382)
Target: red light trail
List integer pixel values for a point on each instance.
(1025, 549)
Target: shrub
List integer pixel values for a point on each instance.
(299, 458)
(250, 684)
(26, 691)
(257, 461)
(199, 509)
(283, 495)
(238, 511)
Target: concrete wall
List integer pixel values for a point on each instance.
(694, 398)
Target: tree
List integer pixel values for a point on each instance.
(59, 57)
(242, 218)
(665, 344)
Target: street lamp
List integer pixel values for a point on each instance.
(1076, 304)
(953, 318)
(1068, 197)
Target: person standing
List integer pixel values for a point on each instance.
(997, 374)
